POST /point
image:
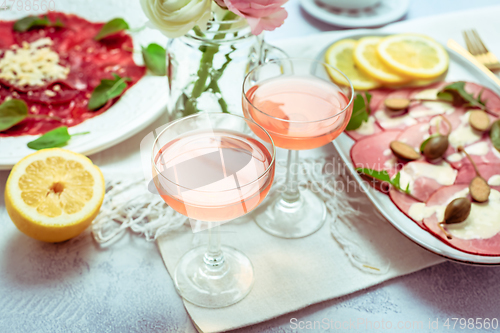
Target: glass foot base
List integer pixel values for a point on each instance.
(296, 220)
(216, 287)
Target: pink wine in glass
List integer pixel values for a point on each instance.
(299, 112)
(219, 172)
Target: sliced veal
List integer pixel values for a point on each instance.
(423, 178)
(374, 153)
(479, 233)
(366, 129)
(490, 172)
(405, 203)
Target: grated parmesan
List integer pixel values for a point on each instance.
(32, 64)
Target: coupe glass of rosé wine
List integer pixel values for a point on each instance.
(213, 167)
(295, 101)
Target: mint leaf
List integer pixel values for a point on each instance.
(112, 27)
(31, 22)
(108, 89)
(495, 134)
(155, 58)
(58, 137)
(456, 94)
(12, 112)
(360, 111)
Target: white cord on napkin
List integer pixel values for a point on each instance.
(128, 204)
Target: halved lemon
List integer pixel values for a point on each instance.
(340, 56)
(367, 59)
(54, 194)
(413, 55)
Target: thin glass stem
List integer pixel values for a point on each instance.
(214, 258)
(292, 193)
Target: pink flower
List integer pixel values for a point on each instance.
(260, 14)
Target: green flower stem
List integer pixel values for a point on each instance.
(206, 63)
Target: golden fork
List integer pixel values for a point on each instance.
(477, 48)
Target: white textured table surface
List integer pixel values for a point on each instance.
(80, 287)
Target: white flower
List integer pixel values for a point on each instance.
(174, 18)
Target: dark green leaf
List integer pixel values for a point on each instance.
(12, 112)
(396, 180)
(58, 137)
(495, 134)
(456, 94)
(30, 22)
(360, 112)
(380, 175)
(112, 27)
(108, 89)
(444, 96)
(155, 58)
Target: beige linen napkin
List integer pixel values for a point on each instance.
(292, 274)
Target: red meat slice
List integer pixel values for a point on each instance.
(373, 152)
(487, 247)
(404, 203)
(6, 35)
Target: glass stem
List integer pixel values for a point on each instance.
(291, 193)
(214, 258)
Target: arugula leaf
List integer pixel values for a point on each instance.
(380, 175)
(58, 137)
(155, 58)
(455, 93)
(112, 27)
(31, 22)
(12, 112)
(384, 177)
(360, 111)
(495, 134)
(108, 89)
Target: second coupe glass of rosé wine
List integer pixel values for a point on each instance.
(213, 167)
(300, 108)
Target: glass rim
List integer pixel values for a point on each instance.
(273, 160)
(324, 64)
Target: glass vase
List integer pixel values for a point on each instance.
(206, 69)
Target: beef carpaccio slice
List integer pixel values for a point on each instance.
(89, 61)
(483, 246)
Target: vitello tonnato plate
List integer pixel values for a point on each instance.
(460, 69)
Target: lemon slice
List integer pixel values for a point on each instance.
(54, 194)
(340, 56)
(414, 55)
(367, 59)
